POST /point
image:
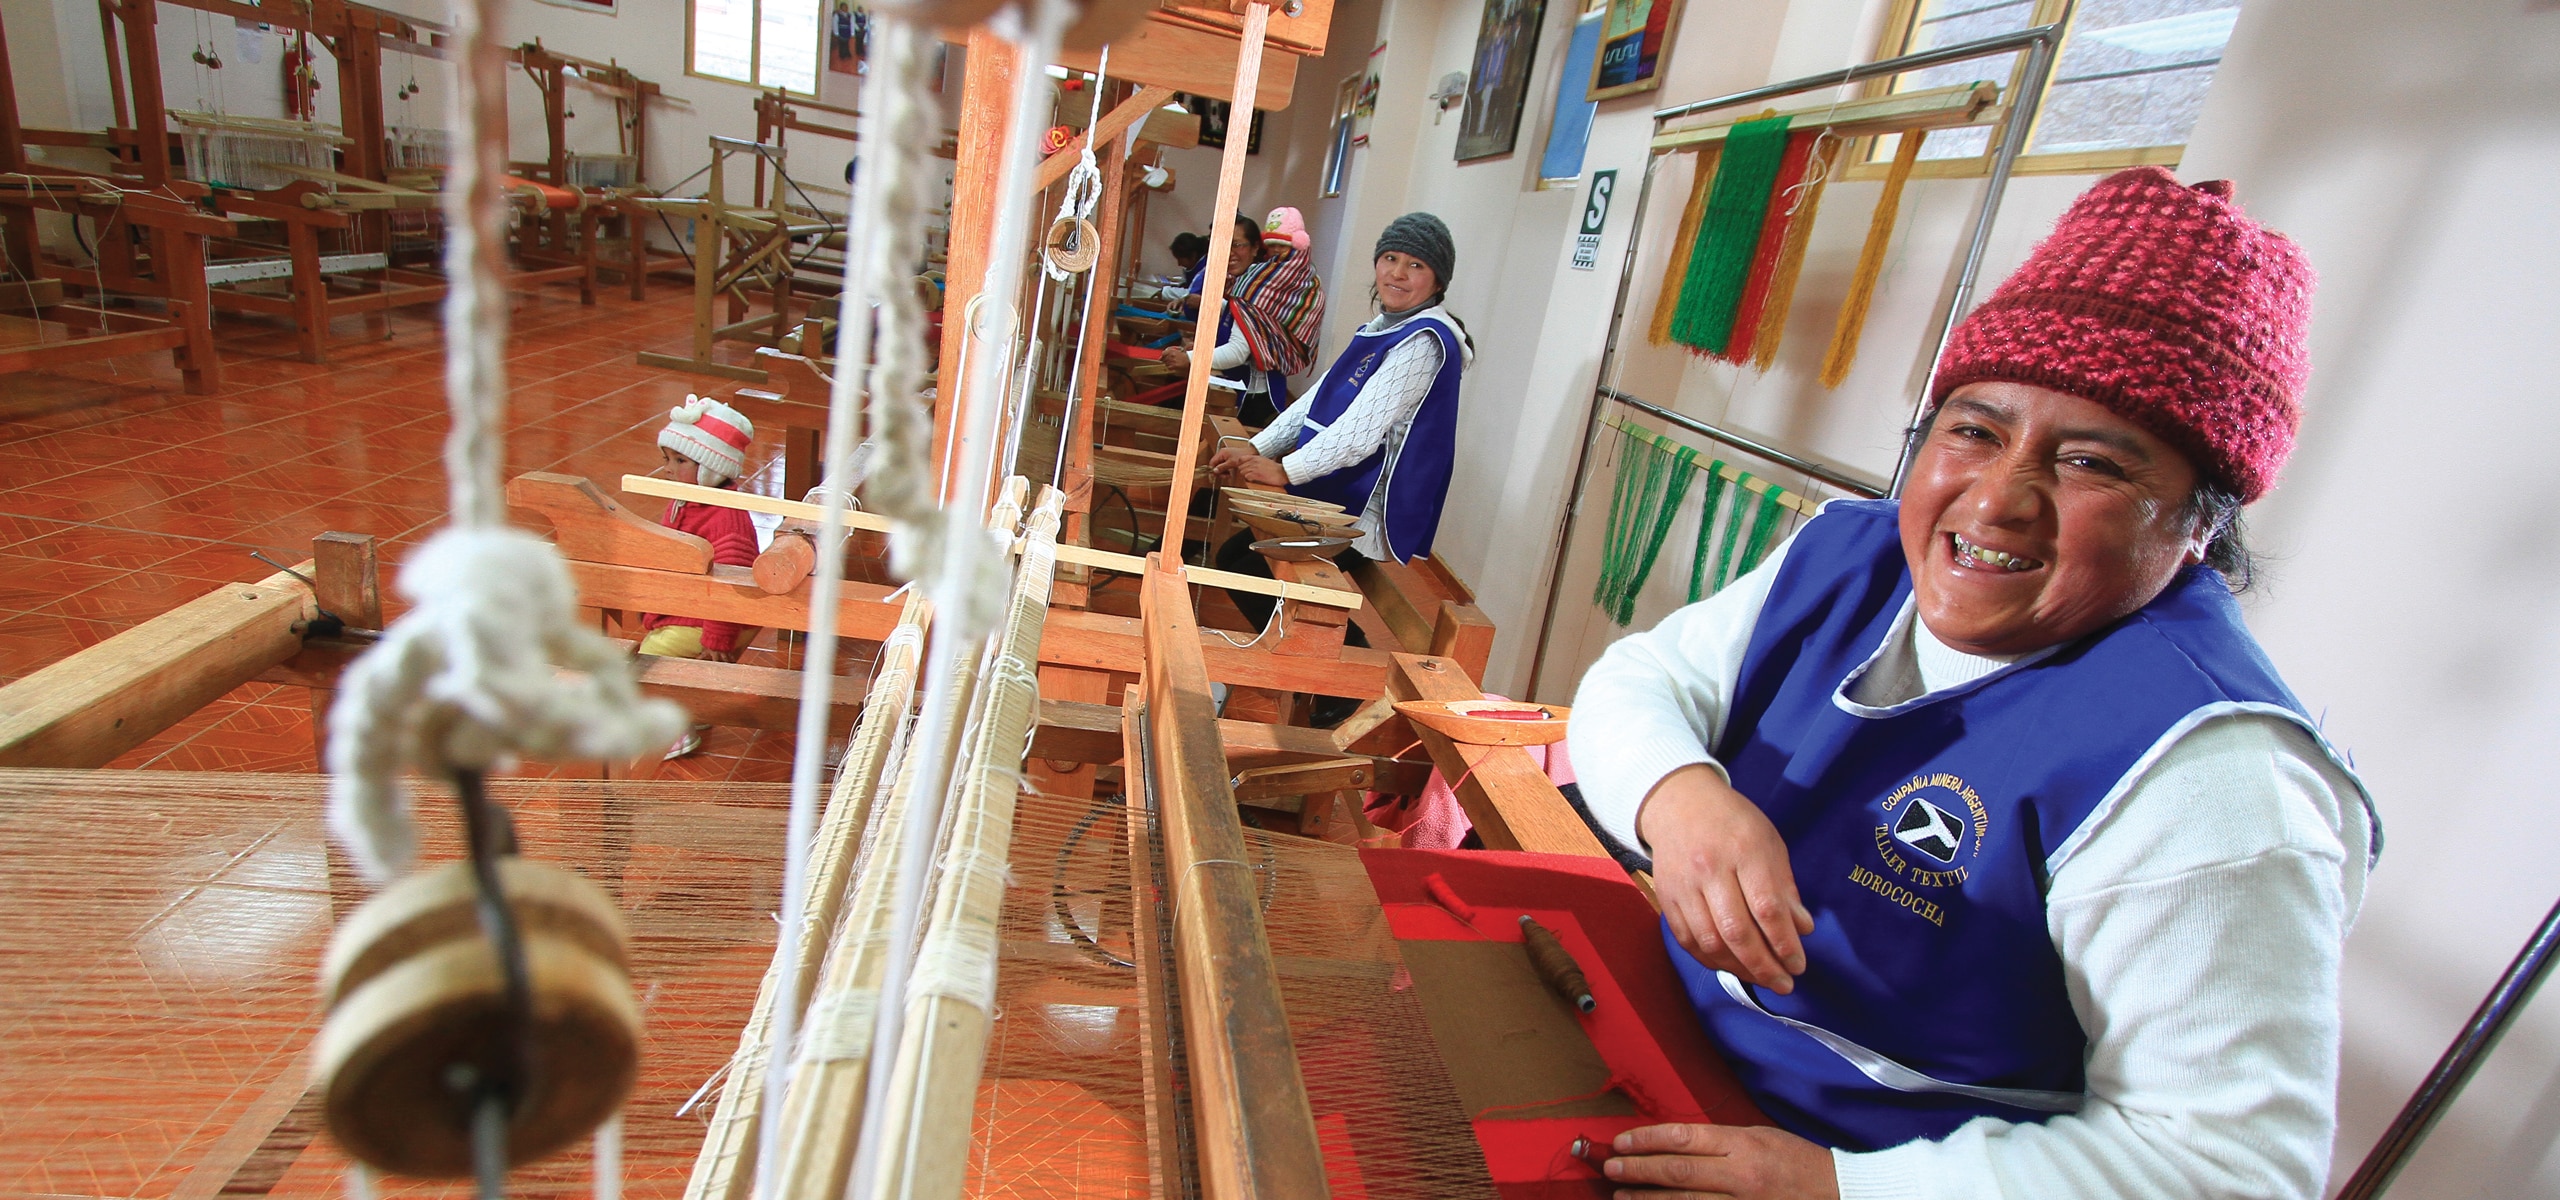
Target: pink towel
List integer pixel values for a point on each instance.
(1434, 820)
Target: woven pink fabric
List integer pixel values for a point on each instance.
(1434, 820)
(2170, 306)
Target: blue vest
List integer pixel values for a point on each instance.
(1417, 478)
(1923, 837)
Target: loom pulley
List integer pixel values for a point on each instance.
(468, 1034)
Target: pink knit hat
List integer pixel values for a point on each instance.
(1285, 225)
(710, 433)
(2166, 304)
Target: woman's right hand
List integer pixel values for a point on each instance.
(1721, 873)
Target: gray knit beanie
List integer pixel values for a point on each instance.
(1425, 237)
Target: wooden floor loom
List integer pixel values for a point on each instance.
(1190, 992)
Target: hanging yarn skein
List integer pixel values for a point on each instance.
(1775, 218)
(1640, 517)
(1715, 490)
(1806, 200)
(1729, 234)
(1666, 302)
(472, 676)
(1842, 354)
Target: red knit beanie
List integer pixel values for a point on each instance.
(2167, 304)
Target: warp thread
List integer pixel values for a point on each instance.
(1774, 220)
(1843, 351)
(1720, 264)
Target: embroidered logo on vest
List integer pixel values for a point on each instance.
(1932, 830)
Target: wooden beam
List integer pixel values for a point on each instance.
(1129, 564)
(1204, 338)
(1189, 59)
(590, 526)
(1509, 798)
(86, 709)
(727, 593)
(1105, 642)
(1962, 104)
(1254, 1127)
(1123, 115)
(1078, 732)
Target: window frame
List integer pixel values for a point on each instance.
(1900, 17)
(755, 51)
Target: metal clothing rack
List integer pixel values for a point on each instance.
(2040, 43)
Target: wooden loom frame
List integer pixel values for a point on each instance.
(176, 233)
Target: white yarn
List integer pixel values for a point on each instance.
(840, 1026)
(1084, 180)
(472, 676)
(958, 962)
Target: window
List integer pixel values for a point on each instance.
(2125, 90)
(762, 43)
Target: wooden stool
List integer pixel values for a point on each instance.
(418, 1007)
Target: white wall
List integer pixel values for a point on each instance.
(2414, 151)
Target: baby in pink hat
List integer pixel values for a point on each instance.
(1284, 228)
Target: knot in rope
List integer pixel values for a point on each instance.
(491, 663)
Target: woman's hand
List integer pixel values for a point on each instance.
(1721, 872)
(1178, 359)
(1245, 466)
(1739, 1161)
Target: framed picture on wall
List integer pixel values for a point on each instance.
(1214, 117)
(1498, 86)
(1633, 40)
(594, 6)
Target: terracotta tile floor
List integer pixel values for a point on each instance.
(121, 496)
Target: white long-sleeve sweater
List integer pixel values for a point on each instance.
(1378, 416)
(2199, 922)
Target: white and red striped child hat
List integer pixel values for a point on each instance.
(712, 434)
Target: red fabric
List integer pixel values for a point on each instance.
(1764, 257)
(733, 543)
(723, 430)
(2170, 306)
(1435, 820)
(1643, 1026)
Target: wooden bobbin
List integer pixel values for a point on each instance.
(789, 561)
(1087, 248)
(414, 991)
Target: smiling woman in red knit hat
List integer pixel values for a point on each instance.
(1997, 858)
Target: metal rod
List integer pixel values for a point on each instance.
(2039, 40)
(1563, 541)
(2470, 1048)
(1939, 57)
(1840, 477)
(2023, 108)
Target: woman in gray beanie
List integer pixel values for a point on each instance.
(1377, 433)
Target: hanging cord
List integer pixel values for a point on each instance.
(473, 675)
(1084, 183)
(883, 316)
(1084, 174)
(968, 584)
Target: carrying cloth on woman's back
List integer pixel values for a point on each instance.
(1279, 305)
